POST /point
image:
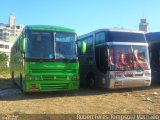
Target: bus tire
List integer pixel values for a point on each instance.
(92, 82)
(21, 84)
(12, 77)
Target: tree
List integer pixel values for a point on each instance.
(3, 59)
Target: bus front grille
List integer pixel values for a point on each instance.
(53, 71)
(138, 75)
(133, 75)
(54, 86)
(129, 75)
(54, 77)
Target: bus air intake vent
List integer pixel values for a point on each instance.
(54, 86)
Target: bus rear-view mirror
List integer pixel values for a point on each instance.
(22, 44)
(84, 47)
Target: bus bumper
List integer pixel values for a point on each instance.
(46, 86)
(129, 82)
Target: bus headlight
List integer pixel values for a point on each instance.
(28, 78)
(34, 78)
(117, 74)
(73, 78)
(37, 78)
(147, 73)
(54, 78)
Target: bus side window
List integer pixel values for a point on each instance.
(79, 48)
(100, 38)
(89, 44)
(102, 58)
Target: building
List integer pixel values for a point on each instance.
(6, 48)
(11, 20)
(9, 32)
(8, 35)
(4, 32)
(143, 25)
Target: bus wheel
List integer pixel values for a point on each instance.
(21, 84)
(91, 82)
(12, 78)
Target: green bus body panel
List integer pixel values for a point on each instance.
(46, 76)
(50, 76)
(49, 28)
(47, 86)
(51, 68)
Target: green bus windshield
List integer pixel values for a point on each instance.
(65, 45)
(40, 45)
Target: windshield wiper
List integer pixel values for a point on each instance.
(73, 58)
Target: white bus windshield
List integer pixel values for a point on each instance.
(127, 57)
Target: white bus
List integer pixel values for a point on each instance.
(111, 58)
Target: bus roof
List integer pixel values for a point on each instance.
(110, 30)
(49, 28)
(153, 37)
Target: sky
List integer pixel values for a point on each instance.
(83, 15)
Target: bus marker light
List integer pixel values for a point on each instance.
(117, 86)
(147, 73)
(119, 74)
(34, 89)
(103, 80)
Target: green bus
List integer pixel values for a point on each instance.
(44, 58)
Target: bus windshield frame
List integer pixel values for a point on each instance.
(48, 45)
(128, 58)
(65, 45)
